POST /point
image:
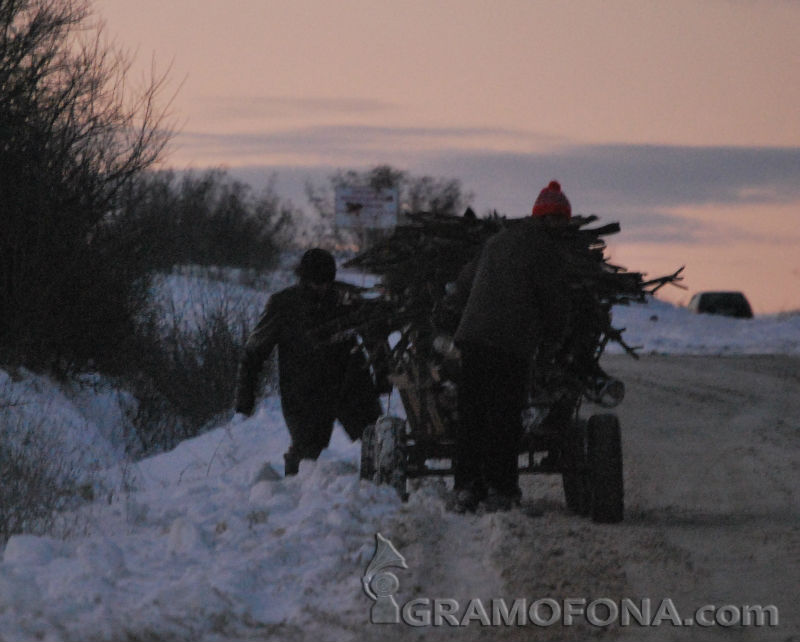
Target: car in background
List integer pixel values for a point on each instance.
(729, 304)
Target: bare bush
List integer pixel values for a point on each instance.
(185, 373)
(72, 136)
(208, 219)
(37, 478)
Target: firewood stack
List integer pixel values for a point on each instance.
(418, 260)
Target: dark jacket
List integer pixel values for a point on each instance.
(512, 293)
(314, 375)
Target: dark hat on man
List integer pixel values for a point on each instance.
(317, 266)
(552, 202)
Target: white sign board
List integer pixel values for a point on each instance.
(366, 208)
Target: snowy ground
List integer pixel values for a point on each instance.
(208, 542)
(662, 328)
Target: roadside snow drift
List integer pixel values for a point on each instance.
(196, 545)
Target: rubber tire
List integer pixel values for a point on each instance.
(604, 443)
(367, 469)
(390, 455)
(575, 478)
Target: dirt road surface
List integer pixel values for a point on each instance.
(712, 470)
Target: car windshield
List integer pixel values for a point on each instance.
(728, 303)
(718, 299)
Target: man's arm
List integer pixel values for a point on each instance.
(447, 314)
(259, 346)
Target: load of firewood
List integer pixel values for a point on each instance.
(421, 257)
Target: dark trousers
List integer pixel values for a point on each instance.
(311, 425)
(491, 397)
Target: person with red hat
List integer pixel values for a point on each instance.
(512, 304)
(552, 202)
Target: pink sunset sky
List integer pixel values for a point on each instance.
(679, 119)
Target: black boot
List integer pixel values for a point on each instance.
(291, 464)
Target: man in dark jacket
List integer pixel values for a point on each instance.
(512, 304)
(320, 381)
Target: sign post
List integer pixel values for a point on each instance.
(364, 209)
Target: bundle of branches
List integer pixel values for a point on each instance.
(594, 284)
(428, 252)
(420, 258)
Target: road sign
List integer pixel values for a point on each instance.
(365, 208)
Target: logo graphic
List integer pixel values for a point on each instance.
(381, 585)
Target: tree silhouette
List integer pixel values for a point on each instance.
(73, 135)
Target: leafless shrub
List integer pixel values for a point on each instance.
(186, 368)
(37, 478)
(73, 135)
(208, 219)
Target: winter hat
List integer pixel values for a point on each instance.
(552, 202)
(317, 266)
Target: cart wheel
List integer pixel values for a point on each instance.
(575, 477)
(605, 464)
(367, 470)
(390, 454)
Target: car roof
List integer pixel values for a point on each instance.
(721, 292)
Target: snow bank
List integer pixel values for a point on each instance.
(662, 328)
(79, 424)
(198, 546)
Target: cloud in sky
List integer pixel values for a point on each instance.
(674, 176)
(666, 175)
(652, 189)
(261, 107)
(346, 145)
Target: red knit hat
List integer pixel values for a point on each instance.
(552, 202)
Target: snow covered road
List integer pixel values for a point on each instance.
(712, 449)
(713, 513)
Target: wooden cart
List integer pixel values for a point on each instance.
(556, 440)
